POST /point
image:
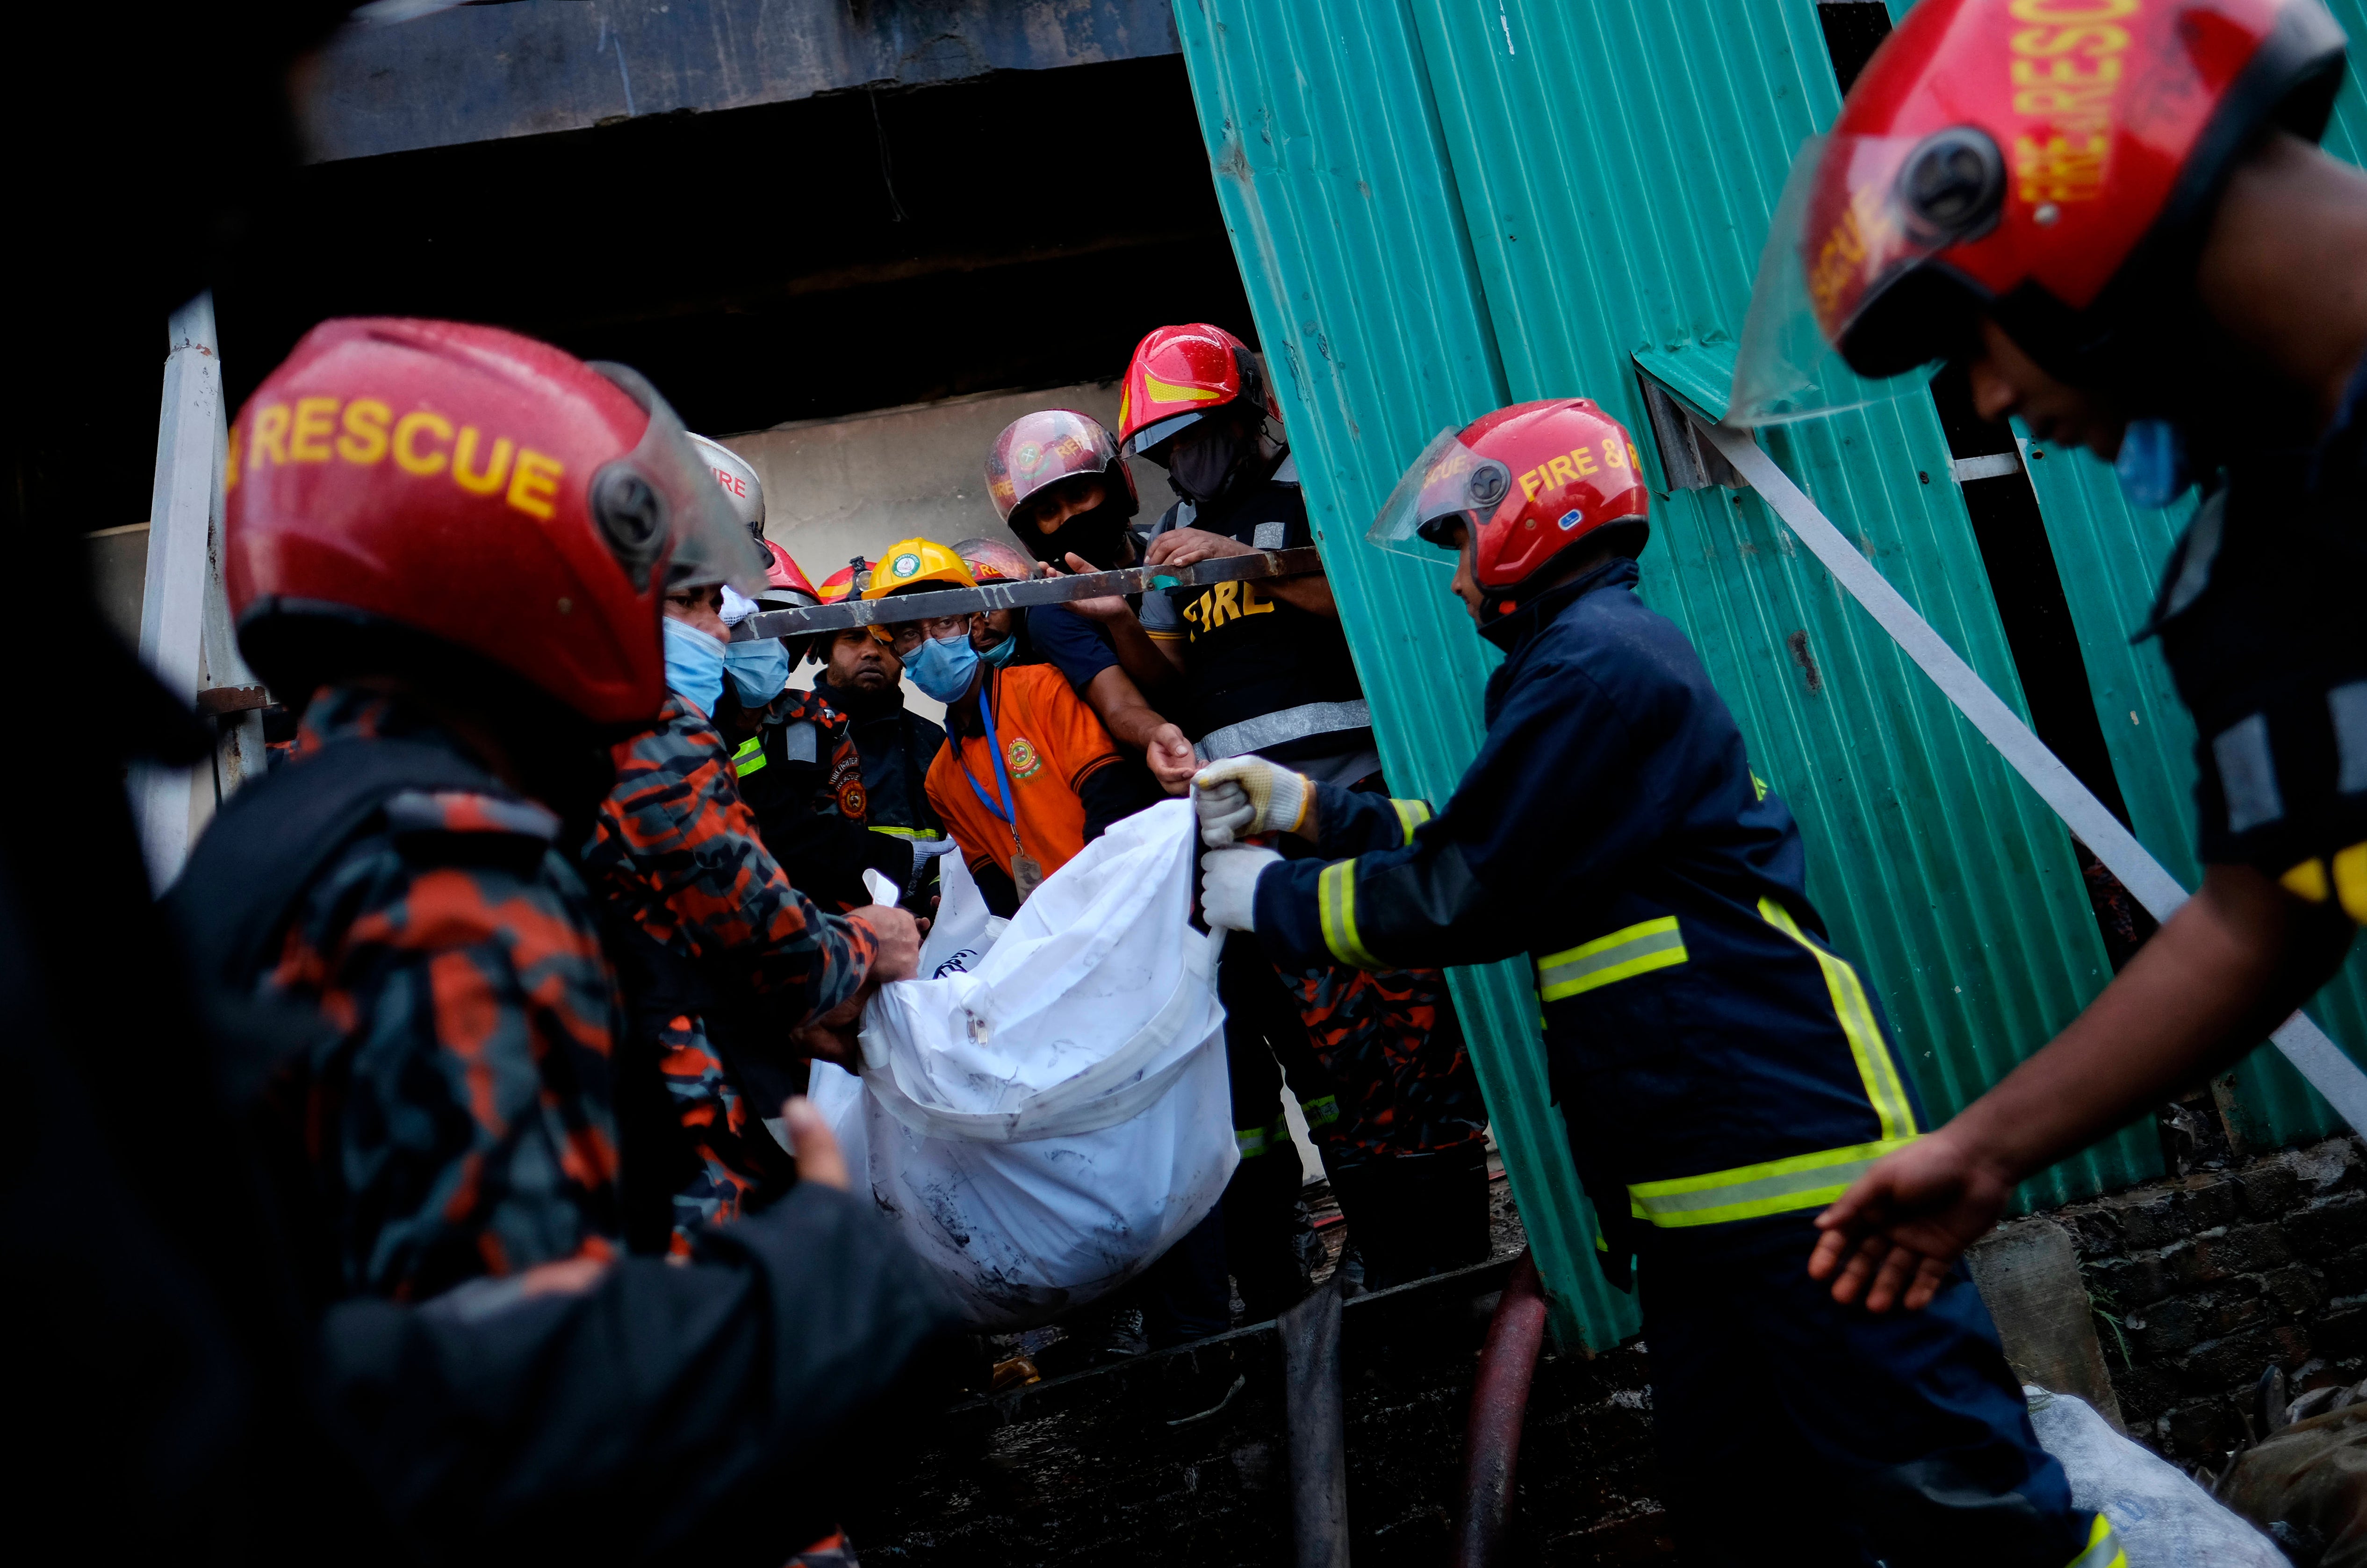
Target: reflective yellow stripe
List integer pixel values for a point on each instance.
(1884, 1090)
(1412, 814)
(1779, 1186)
(1321, 1111)
(1255, 1141)
(1336, 903)
(1625, 953)
(749, 757)
(926, 835)
(2350, 881)
(2104, 1549)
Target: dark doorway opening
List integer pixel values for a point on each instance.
(796, 261)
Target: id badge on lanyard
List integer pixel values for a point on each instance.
(1026, 874)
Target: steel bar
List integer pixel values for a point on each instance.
(1304, 562)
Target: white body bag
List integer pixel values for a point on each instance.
(1045, 1109)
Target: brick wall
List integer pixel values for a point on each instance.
(2214, 1275)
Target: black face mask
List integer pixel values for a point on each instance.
(1199, 469)
(1095, 536)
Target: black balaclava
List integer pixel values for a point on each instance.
(1202, 462)
(1097, 537)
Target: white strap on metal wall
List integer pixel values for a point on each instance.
(2306, 1045)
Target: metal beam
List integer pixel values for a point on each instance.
(1302, 562)
(524, 70)
(183, 506)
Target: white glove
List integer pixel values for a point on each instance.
(1228, 884)
(737, 606)
(1243, 795)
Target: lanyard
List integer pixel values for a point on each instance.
(1001, 778)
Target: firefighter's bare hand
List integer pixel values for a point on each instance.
(1182, 546)
(1892, 1237)
(820, 1159)
(1107, 607)
(836, 1035)
(898, 939)
(1171, 760)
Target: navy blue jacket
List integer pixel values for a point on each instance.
(1716, 1060)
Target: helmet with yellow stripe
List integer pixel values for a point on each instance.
(1178, 377)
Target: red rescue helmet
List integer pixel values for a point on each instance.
(1038, 450)
(1527, 484)
(994, 561)
(1178, 377)
(785, 585)
(845, 580)
(2052, 164)
(395, 481)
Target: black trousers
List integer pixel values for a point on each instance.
(1791, 1427)
(1409, 1215)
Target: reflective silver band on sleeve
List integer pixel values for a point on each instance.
(1280, 726)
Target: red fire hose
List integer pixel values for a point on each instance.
(1499, 1399)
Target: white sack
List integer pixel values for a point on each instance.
(1046, 1109)
(2163, 1518)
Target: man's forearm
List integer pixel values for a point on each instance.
(1140, 657)
(2226, 968)
(1310, 593)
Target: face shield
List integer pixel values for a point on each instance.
(1447, 485)
(1848, 309)
(659, 502)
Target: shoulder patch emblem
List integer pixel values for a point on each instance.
(853, 803)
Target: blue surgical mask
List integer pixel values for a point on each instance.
(943, 666)
(2152, 464)
(998, 656)
(759, 669)
(693, 664)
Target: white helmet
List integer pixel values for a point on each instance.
(739, 480)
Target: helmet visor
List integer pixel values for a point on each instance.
(664, 492)
(1858, 214)
(1448, 484)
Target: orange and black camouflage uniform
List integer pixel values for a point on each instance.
(678, 854)
(454, 1121)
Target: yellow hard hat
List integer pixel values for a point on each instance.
(909, 562)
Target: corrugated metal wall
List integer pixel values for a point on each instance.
(1330, 167)
(1443, 206)
(2110, 556)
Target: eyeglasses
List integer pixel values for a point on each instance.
(906, 636)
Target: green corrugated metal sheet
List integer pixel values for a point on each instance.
(1444, 206)
(1332, 174)
(2111, 555)
(1613, 209)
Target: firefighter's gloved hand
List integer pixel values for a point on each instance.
(1242, 797)
(1228, 880)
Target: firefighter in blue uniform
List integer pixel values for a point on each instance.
(1724, 1071)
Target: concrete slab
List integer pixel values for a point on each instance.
(2029, 1275)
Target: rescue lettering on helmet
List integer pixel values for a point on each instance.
(2066, 75)
(1577, 463)
(1865, 227)
(422, 443)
